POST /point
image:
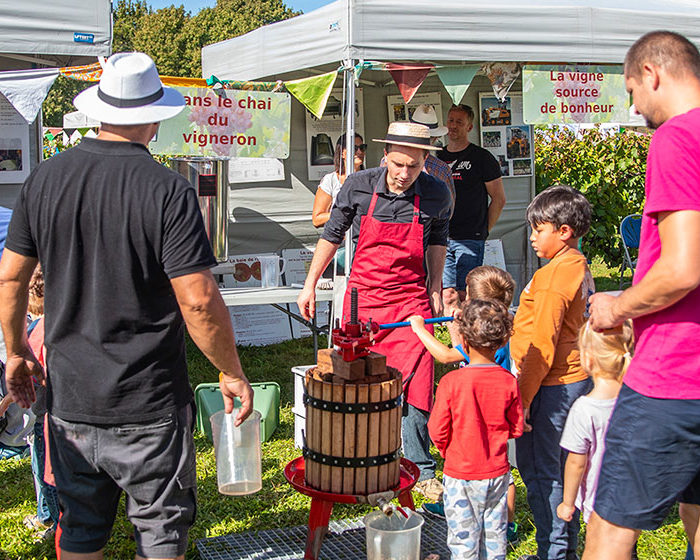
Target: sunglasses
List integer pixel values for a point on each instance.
(361, 147)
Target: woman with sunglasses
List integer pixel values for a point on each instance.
(331, 183)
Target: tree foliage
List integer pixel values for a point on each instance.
(607, 167)
(59, 101)
(172, 36)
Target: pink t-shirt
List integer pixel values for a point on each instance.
(666, 363)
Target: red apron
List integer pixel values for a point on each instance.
(390, 278)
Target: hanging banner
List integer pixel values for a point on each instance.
(457, 79)
(313, 92)
(574, 94)
(227, 123)
(502, 76)
(408, 77)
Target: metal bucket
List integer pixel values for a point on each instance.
(209, 177)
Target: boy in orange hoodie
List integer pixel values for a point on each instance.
(545, 356)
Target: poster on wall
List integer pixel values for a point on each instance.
(14, 144)
(397, 107)
(323, 133)
(227, 123)
(505, 135)
(259, 325)
(574, 94)
(296, 267)
(255, 170)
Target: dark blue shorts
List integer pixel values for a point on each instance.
(651, 461)
(462, 256)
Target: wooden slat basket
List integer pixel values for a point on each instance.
(353, 432)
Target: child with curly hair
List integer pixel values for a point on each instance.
(477, 409)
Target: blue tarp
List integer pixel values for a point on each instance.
(5, 215)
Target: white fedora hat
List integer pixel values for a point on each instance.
(408, 134)
(130, 92)
(425, 114)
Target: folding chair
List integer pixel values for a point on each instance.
(630, 228)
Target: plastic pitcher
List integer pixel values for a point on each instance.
(393, 537)
(237, 449)
(271, 271)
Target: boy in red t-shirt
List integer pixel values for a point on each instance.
(477, 409)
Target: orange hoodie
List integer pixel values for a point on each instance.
(553, 307)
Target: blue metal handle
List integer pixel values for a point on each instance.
(408, 324)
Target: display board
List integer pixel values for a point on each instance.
(14, 144)
(227, 123)
(255, 170)
(259, 325)
(505, 135)
(323, 133)
(493, 254)
(397, 107)
(574, 94)
(297, 264)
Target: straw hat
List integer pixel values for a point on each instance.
(425, 114)
(408, 134)
(130, 92)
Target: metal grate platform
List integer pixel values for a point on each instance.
(345, 540)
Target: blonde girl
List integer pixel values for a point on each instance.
(605, 357)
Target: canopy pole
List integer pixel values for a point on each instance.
(349, 69)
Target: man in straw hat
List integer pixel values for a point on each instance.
(426, 115)
(126, 258)
(399, 217)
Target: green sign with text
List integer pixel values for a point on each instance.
(227, 123)
(574, 94)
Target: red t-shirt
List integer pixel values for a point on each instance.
(477, 409)
(666, 361)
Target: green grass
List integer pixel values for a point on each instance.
(276, 505)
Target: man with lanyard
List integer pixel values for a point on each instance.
(400, 216)
(477, 177)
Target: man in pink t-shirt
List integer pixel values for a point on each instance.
(652, 456)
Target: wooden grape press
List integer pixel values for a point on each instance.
(353, 431)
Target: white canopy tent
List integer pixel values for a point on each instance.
(69, 27)
(38, 34)
(451, 31)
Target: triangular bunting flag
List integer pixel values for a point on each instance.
(87, 73)
(502, 76)
(408, 77)
(457, 79)
(313, 92)
(27, 89)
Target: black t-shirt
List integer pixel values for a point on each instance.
(111, 227)
(471, 169)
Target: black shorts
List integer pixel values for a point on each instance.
(651, 461)
(152, 462)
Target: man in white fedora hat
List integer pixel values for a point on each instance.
(426, 115)
(126, 265)
(399, 217)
